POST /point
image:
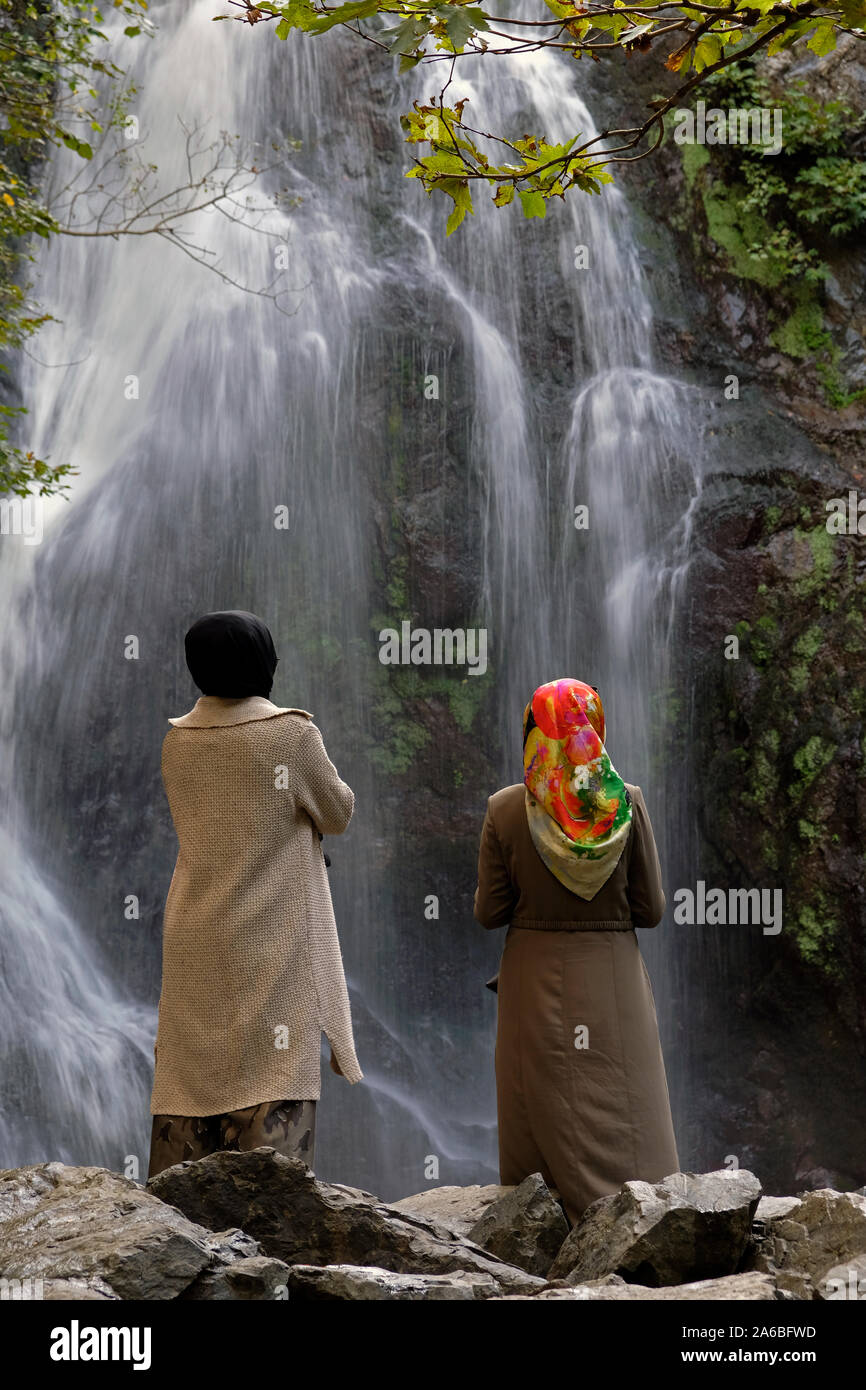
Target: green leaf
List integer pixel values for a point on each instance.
(823, 41)
(560, 9)
(79, 146)
(610, 23)
(300, 14)
(504, 195)
(533, 203)
(357, 9)
(461, 22)
(707, 52)
(406, 37)
(444, 163)
(462, 204)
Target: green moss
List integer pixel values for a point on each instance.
(823, 553)
(814, 586)
(809, 831)
(398, 699)
(695, 157)
(396, 590)
(764, 639)
(736, 231)
(809, 762)
(802, 333)
(464, 699)
(400, 737)
(806, 647)
(803, 336)
(769, 851)
(815, 928)
(770, 742)
(810, 642)
(760, 771)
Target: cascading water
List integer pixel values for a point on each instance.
(553, 402)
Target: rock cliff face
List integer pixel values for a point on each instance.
(777, 731)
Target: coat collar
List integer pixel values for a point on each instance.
(213, 711)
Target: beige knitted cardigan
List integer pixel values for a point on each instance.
(251, 967)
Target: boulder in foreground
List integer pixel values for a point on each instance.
(689, 1227)
(350, 1283)
(300, 1220)
(821, 1237)
(526, 1227)
(753, 1287)
(88, 1233)
(455, 1208)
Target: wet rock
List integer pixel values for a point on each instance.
(791, 554)
(752, 1287)
(367, 1282)
(802, 1246)
(298, 1219)
(86, 1224)
(75, 1291)
(456, 1208)
(526, 1227)
(256, 1277)
(691, 1226)
(238, 1271)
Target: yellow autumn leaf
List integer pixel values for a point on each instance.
(9, 200)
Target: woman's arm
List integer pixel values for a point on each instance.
(495, 896)
(645, 894)
(325, 797)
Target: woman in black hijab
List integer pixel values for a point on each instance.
(252, 973)
(231, 654)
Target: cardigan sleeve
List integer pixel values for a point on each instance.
(495, 896)
(645, 894)
(322, 793)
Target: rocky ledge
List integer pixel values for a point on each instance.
(260, 1226)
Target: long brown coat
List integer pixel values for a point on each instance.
(251, 967)
(589, 1109)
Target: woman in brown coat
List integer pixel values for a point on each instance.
(251, 967)
(568, 862)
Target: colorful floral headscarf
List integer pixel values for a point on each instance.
(577, 805)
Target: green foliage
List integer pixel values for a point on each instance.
(816, 183)
(776, 216)
(549, 170)
(709, 39)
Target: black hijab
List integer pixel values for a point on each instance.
(231, 654)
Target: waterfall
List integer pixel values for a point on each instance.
(549, 400)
